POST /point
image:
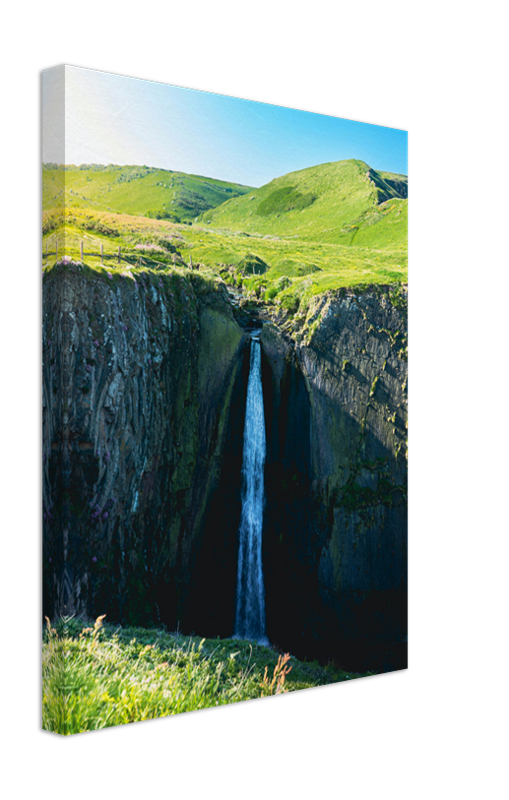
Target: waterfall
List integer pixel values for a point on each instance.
(250, 607)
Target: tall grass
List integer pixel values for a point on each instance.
(99, 676)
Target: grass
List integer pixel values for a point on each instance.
(321, 229)
(99, 676)
(329, 264)
(143, 191)
(317, 204)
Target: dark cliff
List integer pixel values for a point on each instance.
(336, 528)
(144, 386)
(138, 380)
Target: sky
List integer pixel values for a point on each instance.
(111, 119)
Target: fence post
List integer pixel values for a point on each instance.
(119, 254)
(191, 262)
(81, 251)
(56, 248)
(102, 262)
(174, 257)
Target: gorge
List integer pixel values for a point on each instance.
(145, 385)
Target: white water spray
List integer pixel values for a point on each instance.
(250, 610)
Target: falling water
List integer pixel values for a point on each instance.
(250, 610)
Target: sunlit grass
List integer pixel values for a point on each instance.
(323, 228)
(98, 676)
(137, 190)
(312, 267)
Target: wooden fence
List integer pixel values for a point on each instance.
(132, 260)
(45, 255)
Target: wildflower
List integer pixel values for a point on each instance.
(88, 368)
(94, 560)
(110, 276)
(125, 327)
(105, 515)
(95, 343)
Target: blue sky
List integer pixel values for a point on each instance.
(118, 120)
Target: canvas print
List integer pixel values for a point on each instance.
(224, 400)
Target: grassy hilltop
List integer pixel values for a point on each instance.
(335, 225)
(328, 203)
(144, 191)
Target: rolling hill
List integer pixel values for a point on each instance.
(335, 225)
(137, 190)
(339, 202)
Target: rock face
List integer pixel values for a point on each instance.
(336, 528)
(138, 382)
(144, 387)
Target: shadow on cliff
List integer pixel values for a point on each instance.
(352, 613)
(210, 606)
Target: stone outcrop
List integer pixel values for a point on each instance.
(138, 379)
(144, 391)
(336, 528)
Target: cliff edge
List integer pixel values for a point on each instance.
(138, 376)
(336, 519)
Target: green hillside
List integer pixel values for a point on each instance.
(317, 230)
(330, 203)
(136, 190)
